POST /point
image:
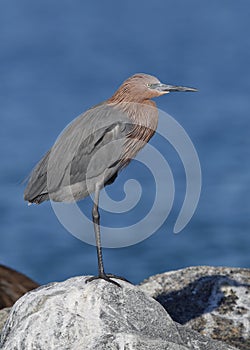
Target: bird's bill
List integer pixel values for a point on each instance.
(164, 88)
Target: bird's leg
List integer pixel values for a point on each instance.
(96, 222)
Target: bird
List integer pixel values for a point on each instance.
(96, 146)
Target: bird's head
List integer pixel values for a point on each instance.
(141, 87)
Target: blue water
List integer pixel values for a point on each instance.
(59, 58)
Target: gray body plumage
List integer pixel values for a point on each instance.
(89, 150)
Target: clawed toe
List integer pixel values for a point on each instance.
(107, 277)
(104, 277)
(118, 277)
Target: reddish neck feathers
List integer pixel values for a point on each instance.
(129, 92)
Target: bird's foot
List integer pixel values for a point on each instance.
(103, 277)
(107, 277)
(118, 277)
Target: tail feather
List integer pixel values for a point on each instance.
(39, 199)
(36, 190)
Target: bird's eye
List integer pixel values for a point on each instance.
(152, 85)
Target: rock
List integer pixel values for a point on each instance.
(211, 300)
(13, 285)
(96, 316)
(4, 313)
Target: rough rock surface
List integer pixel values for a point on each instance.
(13, 285)
(96, 316)
(214, 301)
(4, 313)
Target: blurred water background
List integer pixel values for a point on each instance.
(58, 58)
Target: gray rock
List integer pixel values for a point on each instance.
(211, 300)
(4, 313)
(97, 316)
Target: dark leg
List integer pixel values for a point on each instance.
(96, 222)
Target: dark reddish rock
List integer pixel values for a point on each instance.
(13, 285)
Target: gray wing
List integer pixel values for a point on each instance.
(89, 150)
(36, 189)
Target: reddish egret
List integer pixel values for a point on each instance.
(75, 169)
